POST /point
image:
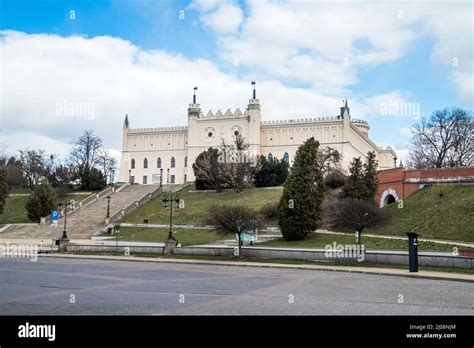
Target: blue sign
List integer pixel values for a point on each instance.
(54, 215)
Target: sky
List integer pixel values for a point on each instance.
(70, 66)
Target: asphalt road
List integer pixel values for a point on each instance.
(49, 286)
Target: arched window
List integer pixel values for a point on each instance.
(145, 163)
(173, 162)
(186, 161)
(133, 163)
(270, 157)
(286, 157)
(158, 162)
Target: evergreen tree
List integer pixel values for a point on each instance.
(3, 189)
(207, 171)
(271, 172)
(355, 186)
(299, 210)
(370, 176)
(41, 202)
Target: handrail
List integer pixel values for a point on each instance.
(142, 200)
(86, 201)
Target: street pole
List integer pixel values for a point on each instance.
(65, 222)
(53, 230)
(170, 234)
(108, 207)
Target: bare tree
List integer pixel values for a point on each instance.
(32, 162)
(349, 214)
(232, 219)
(446, 139)
(86, 157)
(235, 163)
(328, 159)
(107, 163)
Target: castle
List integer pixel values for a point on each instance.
(167, 153)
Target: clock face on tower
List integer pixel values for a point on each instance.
(209, 133)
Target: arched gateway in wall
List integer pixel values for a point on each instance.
(388, 196)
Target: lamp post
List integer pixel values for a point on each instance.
(108, 207)
(171, 199)
(60, 205)
(161, 178)
(112, 177)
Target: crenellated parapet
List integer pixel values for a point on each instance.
(227, 114)
(159, 129)
(302, 121)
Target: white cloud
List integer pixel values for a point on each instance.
(54, 88)
(327, 44)
(223, 17)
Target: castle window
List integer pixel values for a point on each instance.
(209, 135)
(145, 163)
(158, 162)
(173, 162)
(186, 161)
(133, 163)
(270, 157)
(236, 133)
(286, 157)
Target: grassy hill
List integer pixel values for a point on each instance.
(448, 216)
(15, 212)
(197, 203)
(439, 212)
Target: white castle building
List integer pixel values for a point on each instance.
(149, 153)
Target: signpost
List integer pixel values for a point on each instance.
(54, 224)
(247, 237)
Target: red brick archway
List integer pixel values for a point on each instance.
(399, 183)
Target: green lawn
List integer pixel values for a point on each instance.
(183, 235)
(15, 211)
(449, 217)
(320, 240)
(197, 203)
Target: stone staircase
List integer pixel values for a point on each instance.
(84, 222)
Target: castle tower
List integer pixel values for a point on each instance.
(125, 158)
(254, 119)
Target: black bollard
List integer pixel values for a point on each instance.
(413, 251)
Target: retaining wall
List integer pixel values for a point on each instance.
(319, 255)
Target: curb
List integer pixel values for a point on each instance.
(377, 271)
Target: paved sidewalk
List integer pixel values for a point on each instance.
(365, 270)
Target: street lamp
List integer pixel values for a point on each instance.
(161, 178)
(112, 177)
(60, 205)
(108, 207)
(171, 199)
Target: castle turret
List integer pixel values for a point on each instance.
(124, 160)
(345, 110)
(254, 118)
(194, 109)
